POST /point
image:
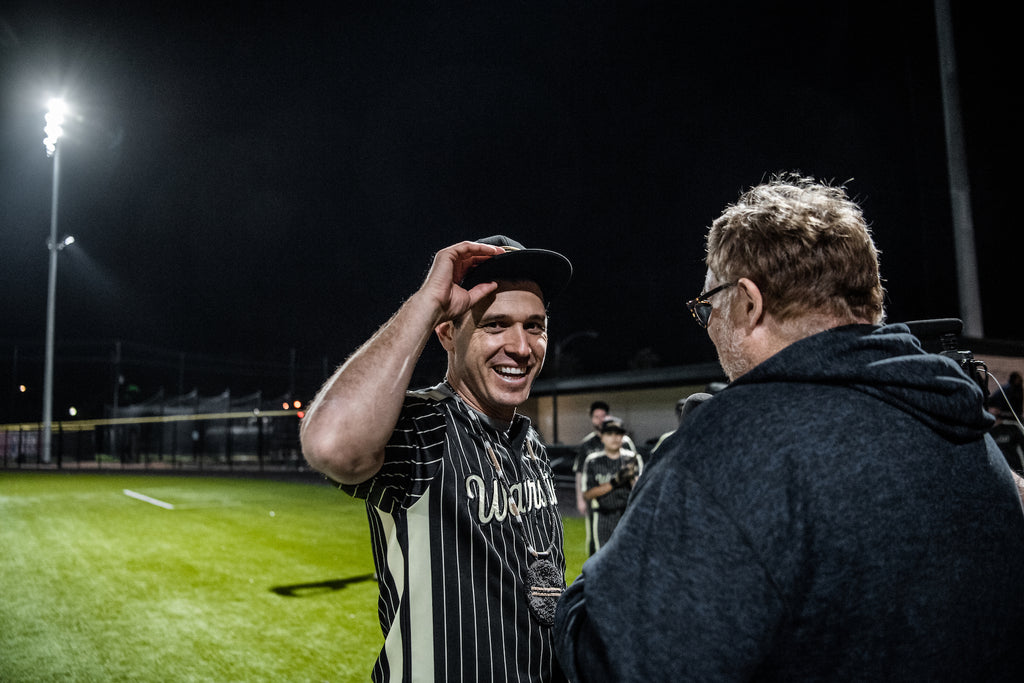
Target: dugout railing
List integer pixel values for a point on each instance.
(252, 440)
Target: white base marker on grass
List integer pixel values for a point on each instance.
(146, 499)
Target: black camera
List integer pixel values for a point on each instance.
(942, 336)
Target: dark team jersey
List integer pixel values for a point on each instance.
(451, 558)
(604, 512)
(599, 469)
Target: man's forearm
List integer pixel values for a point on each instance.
(580, 650)
(598, 491)
(351, 419)
(353, 415)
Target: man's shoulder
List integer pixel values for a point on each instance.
(434, 394)
(427, 400)
(423, 410)
(591, 442)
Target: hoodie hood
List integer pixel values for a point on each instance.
(888, 363)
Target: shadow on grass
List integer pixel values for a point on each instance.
(304, 590)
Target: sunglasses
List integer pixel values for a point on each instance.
(701, 306)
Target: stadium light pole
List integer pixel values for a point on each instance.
(54, 130)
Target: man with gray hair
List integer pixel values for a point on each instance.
(838, 512)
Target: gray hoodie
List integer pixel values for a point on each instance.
(837, 513)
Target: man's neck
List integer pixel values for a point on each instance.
(508, 417)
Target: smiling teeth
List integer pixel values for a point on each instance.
(511, 371)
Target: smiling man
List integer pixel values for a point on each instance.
(466, 535)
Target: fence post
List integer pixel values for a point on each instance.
(227, 443)
(259, 440)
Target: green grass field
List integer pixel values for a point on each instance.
(243, 580)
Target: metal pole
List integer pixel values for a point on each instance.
(14, 387)
(959, 183)
(558, 377)
(51, 307)
(117, 392)
(554, 393)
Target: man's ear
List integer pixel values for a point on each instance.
(750, 303)
(445, 333)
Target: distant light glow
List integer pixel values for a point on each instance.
(67, 241)
(297, 404)
(54, 124)
(22, 388)
(72, 411)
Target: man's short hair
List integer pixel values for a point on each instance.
(806, 246)
(599, 405)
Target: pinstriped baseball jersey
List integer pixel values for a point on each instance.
(450, 557)
(605, 511)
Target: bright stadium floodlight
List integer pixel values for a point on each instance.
(54, 130)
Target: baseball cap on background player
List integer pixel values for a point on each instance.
(549, 269)
(612, 425)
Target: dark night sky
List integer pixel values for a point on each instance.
(249, 180)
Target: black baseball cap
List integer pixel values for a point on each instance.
(549, 269)
(612, 425)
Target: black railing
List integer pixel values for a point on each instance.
(251, 440)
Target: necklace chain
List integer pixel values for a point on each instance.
(517, 516)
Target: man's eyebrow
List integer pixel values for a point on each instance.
(504, 317)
